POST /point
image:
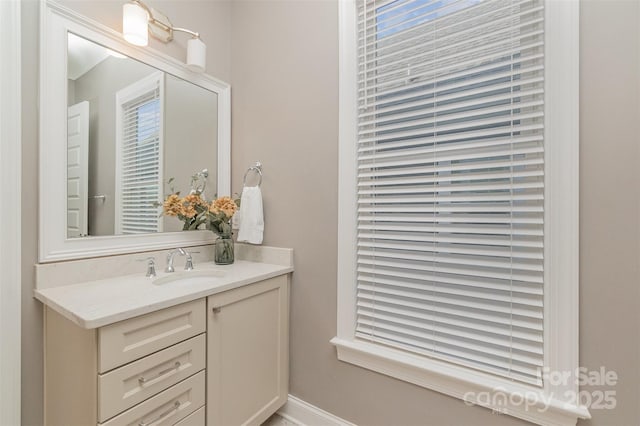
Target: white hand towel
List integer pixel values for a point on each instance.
(251, 218)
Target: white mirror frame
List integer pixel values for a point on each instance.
(56, 21)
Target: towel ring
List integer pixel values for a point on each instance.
(199, 181)
(257, 167)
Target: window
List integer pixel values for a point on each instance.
(139, 118)
(454, 130)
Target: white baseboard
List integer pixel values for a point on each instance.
(302, 413)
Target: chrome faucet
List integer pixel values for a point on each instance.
(151, 266)
(188, 263)
(171, 255)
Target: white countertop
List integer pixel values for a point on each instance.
(93, 304)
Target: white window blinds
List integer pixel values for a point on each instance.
(139, 152)
(451, 181)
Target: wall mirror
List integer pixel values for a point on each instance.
(117, 122)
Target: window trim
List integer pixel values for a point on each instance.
(561, 239)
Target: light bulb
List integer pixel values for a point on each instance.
(196, 55)
(135, 21)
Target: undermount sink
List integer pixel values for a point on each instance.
(190, 277)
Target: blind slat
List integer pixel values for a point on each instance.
(500, 122)
(427, 315)
(445, 308)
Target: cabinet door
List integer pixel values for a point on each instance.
(248, 353)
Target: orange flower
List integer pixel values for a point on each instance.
(225, 205)
(194, 199)
(172, 205)
(187, 210)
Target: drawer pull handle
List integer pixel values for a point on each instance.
(176, 406)
(216, 310)
(142, 380)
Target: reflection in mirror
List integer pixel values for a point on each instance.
(130, 128)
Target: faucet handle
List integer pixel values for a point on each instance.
(188, 264)
(151, 266)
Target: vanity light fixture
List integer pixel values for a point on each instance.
(138, 20)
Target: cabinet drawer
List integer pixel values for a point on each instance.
(194, 419)
(126, 386)
(135, 338)
(166, 408)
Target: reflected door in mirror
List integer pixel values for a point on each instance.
(77, 169)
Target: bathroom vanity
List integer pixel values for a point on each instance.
(208, 346)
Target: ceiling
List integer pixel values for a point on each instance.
(83, 55)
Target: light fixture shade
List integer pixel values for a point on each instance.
(135, 24)
(196, 55)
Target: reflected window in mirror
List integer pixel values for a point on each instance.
(139, 146)
(110, 189)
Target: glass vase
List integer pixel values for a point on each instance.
(224, 250)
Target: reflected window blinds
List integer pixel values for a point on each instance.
(140, 157)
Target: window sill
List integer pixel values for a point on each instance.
(475, 388)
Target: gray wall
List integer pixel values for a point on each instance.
(212, 20)
(31, 309)
(184, 101)
(285, 113)
(610, 199)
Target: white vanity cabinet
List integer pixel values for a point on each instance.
(145, 370)
(247, 353)
(220, 360)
